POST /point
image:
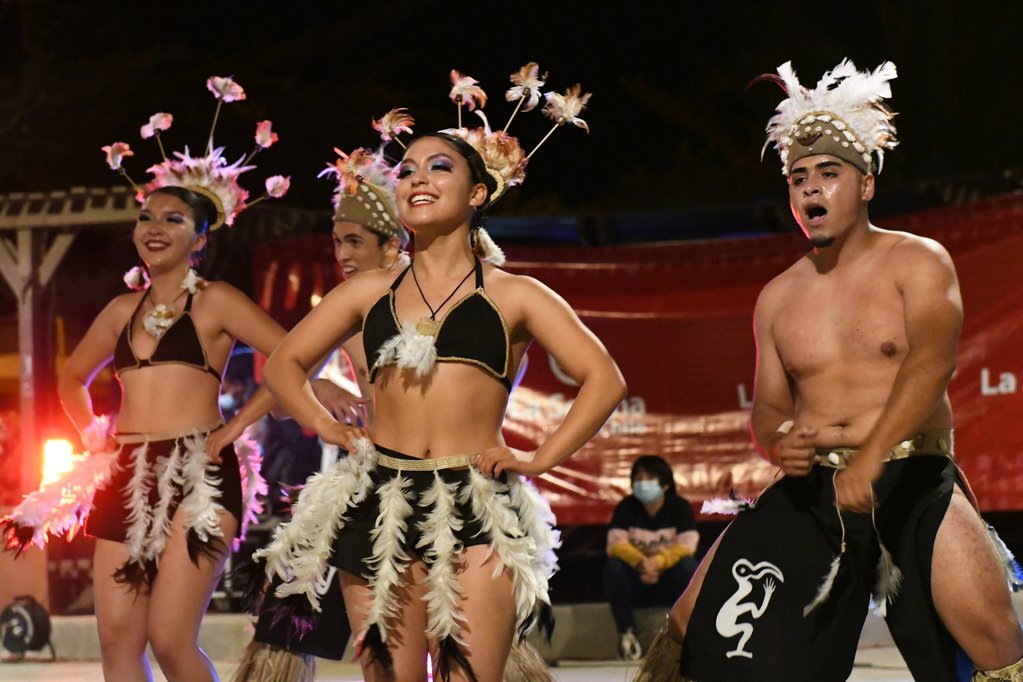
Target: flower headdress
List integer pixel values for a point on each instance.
(366, 179)
(504, 158)
(502, 155)
(844, 116)
(210, 174)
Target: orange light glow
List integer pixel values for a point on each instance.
(58, 457)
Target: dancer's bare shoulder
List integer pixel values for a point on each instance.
(516, 294)
(364, 288)
(116, 314)
(911, 256)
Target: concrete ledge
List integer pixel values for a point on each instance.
(582, 632)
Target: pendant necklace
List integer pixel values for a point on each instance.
(161, 317)
(429, 326)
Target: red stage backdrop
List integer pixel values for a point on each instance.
(678, 319)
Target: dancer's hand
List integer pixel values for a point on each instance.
(795, 450)
(341, 435)
(221, 438)
(346, 407)
(495, 461)
(854, 485)
(97, 436)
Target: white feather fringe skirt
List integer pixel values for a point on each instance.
(133, 494)
(377, 510)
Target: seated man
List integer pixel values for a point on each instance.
(651, 544)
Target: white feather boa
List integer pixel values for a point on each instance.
(199, 506)
(389, 557)
(537, 519)
(408, 350)
(437, 535)
(61, 507)
(140, 514)
(493, 510)
(300, 548)
(165, 469)
(727, 506)
(250, 462)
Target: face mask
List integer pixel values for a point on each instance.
(647, 492)
(227, 401)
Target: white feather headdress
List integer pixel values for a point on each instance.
(209, 174)
(844, 115)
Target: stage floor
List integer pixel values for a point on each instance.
(880, 664)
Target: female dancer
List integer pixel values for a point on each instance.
(439, 544)
(169, 419)
(171, 490)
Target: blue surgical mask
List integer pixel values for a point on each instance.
(647, 492)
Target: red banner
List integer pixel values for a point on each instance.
(678, 320)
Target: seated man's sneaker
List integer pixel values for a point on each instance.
(629, 648)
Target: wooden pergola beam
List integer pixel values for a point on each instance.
(44, 225)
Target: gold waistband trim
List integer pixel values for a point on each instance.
(132, 438)
(400, 464)
(932, 443)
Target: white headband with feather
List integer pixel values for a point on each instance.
(843, 115)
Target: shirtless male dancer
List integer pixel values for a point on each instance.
(856, 344)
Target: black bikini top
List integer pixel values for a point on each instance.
(179, 344)
(472, 331)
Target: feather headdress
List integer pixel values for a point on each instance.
(503, 157)
(502, 154)
(366, 179)
(845, 116)
(209, 174)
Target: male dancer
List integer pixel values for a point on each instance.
(856, 343)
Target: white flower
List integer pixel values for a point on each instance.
(277, 186)
(136, 279)
(526, 83)
(224, 88)
(191, 282)
(157, 122)
(465, 91)
(565, 108)
(115, 152)
(264, 136)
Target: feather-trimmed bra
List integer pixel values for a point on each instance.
(472, 331)
(179, 344)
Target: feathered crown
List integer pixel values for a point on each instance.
(844, 116)
(504, 158)
(210, 174)
(365, 181)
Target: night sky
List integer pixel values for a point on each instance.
(673, 125)
(674, 128)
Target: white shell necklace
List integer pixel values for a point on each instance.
(161, 317)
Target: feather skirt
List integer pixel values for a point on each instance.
(512, 516)
(144, 486)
